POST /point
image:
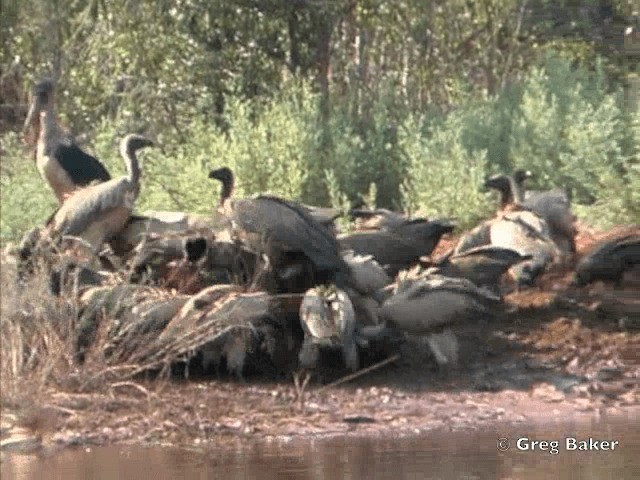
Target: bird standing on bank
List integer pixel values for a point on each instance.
(63, 165)
(99, 212)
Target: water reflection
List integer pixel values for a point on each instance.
(450, 455)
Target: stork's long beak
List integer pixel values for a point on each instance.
(30, 114)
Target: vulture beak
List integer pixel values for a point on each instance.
(489, 182)
(147, 143)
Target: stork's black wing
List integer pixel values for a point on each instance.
(81, 167)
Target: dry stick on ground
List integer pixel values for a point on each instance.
(133, 385)
(360, 373)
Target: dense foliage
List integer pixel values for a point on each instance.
(328, 101)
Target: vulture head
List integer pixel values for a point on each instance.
(132, 143)
(223, 175)
(520, 175)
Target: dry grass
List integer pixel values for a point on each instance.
(38, 345)
(35, 338)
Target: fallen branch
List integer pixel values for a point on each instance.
(133, 385)
(360, 373)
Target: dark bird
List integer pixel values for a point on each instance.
(519, 228)
(481, 234)
(561, 195)
(397, 249)
(63, 165)
(285, 232)
(609, 259)
(431, 305)
(484, 266)
(328, 320)
(504, 185)
(474, 238)
(324, 215)
(98, 212)
(554, 206)
(379, 219)
(140, 227)
(153, 256)
(70, 276)
(527, 234)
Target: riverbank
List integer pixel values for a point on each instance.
(557, 354)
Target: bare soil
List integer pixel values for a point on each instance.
(557, 353)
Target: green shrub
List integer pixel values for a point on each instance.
(559, 122)
(26, 200)
(444, 178)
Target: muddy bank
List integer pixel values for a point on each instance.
(436, 455)
(557, 353)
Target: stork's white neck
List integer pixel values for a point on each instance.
(49, 129)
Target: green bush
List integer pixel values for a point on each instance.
(26, 201)
(444, 177)
(559, 122)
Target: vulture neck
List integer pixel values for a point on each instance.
(517, 192)
(227, 190)
(506, 198)
(132, 166)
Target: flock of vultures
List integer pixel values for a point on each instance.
(269, 284)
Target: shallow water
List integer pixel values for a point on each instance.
(447, 455)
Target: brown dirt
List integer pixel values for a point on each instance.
(556, 353)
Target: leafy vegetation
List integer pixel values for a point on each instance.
(318, 101)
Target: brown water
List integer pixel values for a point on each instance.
(446, 455)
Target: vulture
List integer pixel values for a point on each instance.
(325, 216)
(63, 165)
(328, 320)
(397, 249)
(516, 229)
(151, 223)
(528, 235)
(72, 276)
(99, 212)
(431, 305)
(609, 259)
(222, 326)
(380, 219)
(552, 205)
(476, 237)
(367, 276)
(192, 259)
(482, 265)
(153, 255)
(505, 186)
(368, 279)
(296, 245)
(561, 195)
